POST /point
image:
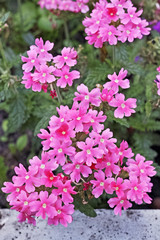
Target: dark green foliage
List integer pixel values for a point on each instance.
(85, 208)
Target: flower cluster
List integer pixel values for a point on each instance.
(41, 69)
(65, 5)
(114, 21)
(111, 88)
(89, 159)
(157, 81)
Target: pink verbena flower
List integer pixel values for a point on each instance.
(101, 183)
(66, 77)
(131, 16)
(45, 206)
(75, 169)
(124, 151)
(124, 108)
(68, 57)
(63, 214)
(85, 97)
(109, 34)
(118, 186)
(27, 178)
(117, 80)
(44, 74)
(107, 95)
(43, 48)
(31, 62)
(119, 203)
(89, 153)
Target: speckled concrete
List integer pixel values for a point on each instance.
(132, 225)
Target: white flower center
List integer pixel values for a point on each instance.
(108, 164)
(138, 27)
(86, 97)
(44, 205)
(122, 201)
(60, 150)
(77, 166)
(66, 76)
(97, 22)
(88, 151)
(117, 188)
(32, 61)
(78, 118)
(42, 50)
(64, 189)
(120, 153)
(25, 203)
(92, 121)
(17, 189)
(65, 57)
(116, 81)
(44, 74)
(128, 32)
(51, 139)
(131, 16)
(62, 120)
(63, 132)
(59, 211)
(26, 177)
(142, 171)
(109, 33)
(123, 105)
(135, 188)
(102, 140)
(102, 184)
(98, 36)
(51, 178)
(42, 166)
(111, 14)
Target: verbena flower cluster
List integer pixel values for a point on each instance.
(158, 80)
(110, 94)
(65, 5)
(77, 144)
(114, 21)
(41, 69)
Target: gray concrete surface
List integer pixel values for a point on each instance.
(132, 225)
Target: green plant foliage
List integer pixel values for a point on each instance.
(3, 171)
(21, 142)
(85, 208)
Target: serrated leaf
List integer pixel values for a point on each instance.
(122, 122)
(17, 114)
(87, 209)
(5, 17)
(148, 108)
(44, 121)
(21, 142)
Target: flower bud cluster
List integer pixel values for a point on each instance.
(113, 22)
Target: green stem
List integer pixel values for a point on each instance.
(58, 93)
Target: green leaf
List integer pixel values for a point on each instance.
(3, 170)
(87, 209)
(21, 142)
(157, 168)
(5, 125)
(17, 114)
(5, 17)
(44, 24)
(148, 108)
(43, 123)
(123, 122)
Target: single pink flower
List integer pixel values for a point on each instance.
(68, 57)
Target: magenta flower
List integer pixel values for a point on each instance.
(75, 169)
(124, 151)
(131, 16)
(88, 153)
(101, 184)
(45, 206)
(27, 178)
(66, 77)
(65, 131)
(127, 32)
(29, 83)
(44, 74)
(48, 138)
(60, 150)
(13, 190)
(111, 166)
(119, 203)
(42, 49)
(94, 119)
(124, 108)
(63, 214)
(109, 34)
(68, 57)
(85, 97)
(49, 178)
(107, 95)
(117, 80)
(31, 62)
(64, 190)
(118, 186)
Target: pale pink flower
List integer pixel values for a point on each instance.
(119, 203)
(43, 48)
(124, 108)
(131, 16)
(109, 34)
(44, 74)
